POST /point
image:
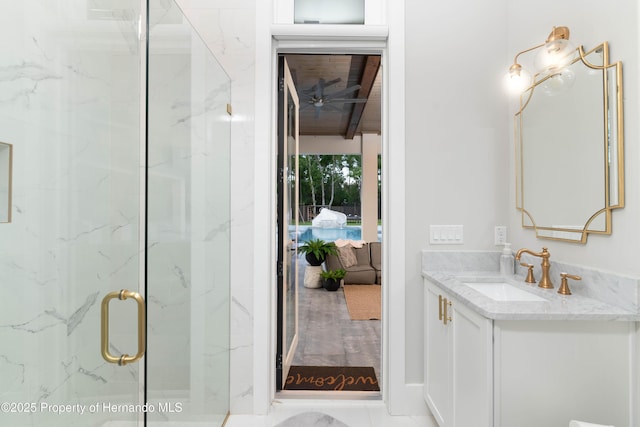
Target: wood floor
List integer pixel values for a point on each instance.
(328, 337)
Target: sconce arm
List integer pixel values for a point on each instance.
(515, 60)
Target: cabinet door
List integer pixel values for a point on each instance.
(438, 384)
(583, 370)
(472, 352)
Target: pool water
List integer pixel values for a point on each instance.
(329, 234)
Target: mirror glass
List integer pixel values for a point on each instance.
(569, 149)
(6, 160)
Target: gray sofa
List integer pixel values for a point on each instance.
(363, 268)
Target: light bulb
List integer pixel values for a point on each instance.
(517, 79)
(554, 54)
(558, 82)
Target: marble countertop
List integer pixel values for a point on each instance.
(555, 306)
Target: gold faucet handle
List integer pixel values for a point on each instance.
(530, 278)
(564, 283)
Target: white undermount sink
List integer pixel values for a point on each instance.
(501, 291)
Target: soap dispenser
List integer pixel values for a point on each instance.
(506, 260)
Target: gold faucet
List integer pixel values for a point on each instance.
(545, 281)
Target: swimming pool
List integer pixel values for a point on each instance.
(350, 232)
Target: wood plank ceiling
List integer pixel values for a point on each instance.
(339, 94)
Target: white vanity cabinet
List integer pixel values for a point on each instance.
(458, 362)
(548, 372)
(495, 370)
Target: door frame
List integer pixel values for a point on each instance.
(282, 364)
(284, 45)
(285, 270)
(401, 397)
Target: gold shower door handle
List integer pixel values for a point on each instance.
(104, 328)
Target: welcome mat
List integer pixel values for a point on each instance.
(332, 378)
(363, 301)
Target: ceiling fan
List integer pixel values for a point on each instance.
(316, 96)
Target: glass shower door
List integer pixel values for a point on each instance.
(70, 106)
(95, 210)
(188, 225)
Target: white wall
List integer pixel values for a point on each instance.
(591, 22)
(457, 155)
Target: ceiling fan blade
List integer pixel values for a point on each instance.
(312, 91)
(351, 100)
(332, 82)
(343, 91)
(328, 107)
(319, 89)
(318, 111)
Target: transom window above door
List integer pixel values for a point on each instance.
(329, 11)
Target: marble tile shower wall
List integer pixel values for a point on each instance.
(74, 235)
(188, 225)
(228, 29)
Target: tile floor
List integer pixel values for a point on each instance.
(327, 335)
(330, 414)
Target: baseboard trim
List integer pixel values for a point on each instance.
(410, 402)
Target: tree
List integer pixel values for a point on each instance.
(310, 180)
(336, 179)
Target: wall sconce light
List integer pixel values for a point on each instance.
(552, 60)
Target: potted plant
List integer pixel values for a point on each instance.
(332, 278)
(316, 251)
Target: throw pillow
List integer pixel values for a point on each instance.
(347, 256)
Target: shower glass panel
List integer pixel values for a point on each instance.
(95, 209)
(70, 105)
(188, 224)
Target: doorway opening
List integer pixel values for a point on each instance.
(337, 167)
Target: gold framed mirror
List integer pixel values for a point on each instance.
(570, 149)
(6, 164)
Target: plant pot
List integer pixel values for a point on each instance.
(312, 260)
(331, 285)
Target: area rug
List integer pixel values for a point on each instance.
(332, 378)
(363, 301)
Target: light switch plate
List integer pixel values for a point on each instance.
(446, 235)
